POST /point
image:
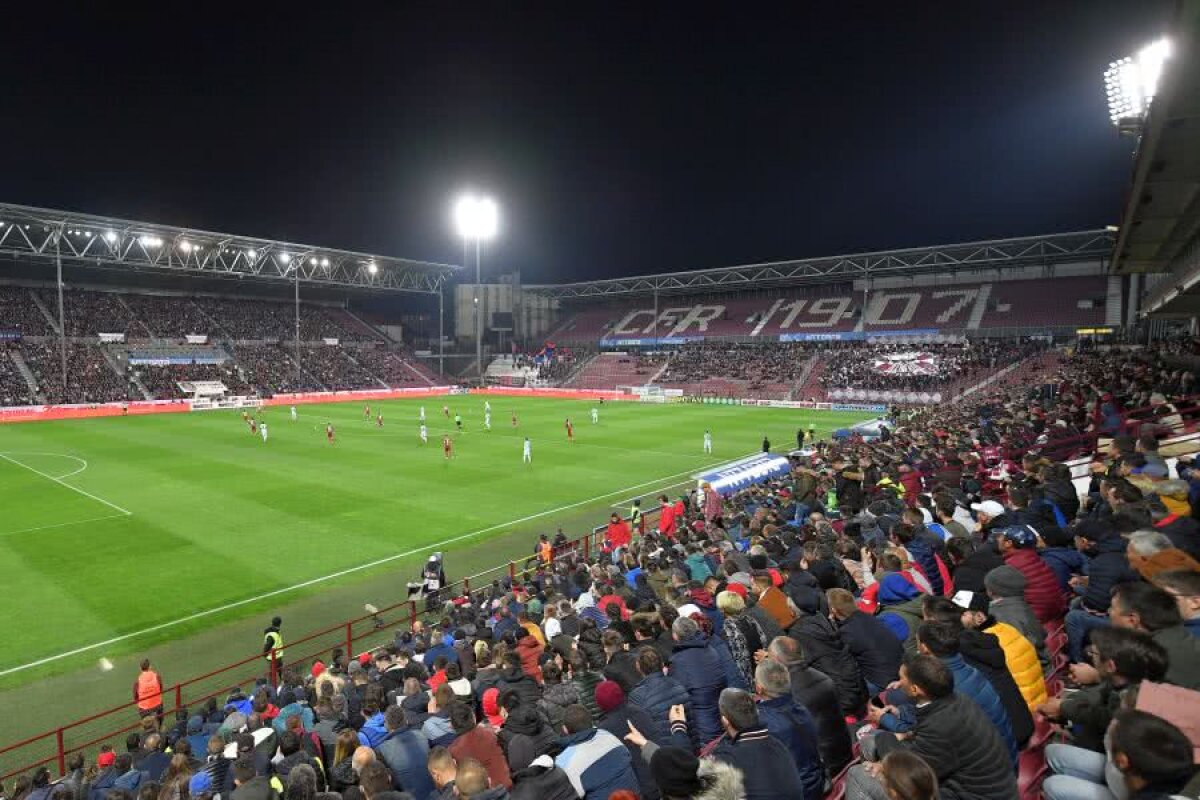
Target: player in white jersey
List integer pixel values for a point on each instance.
(262, 428)
(595, 415)
(487, 407)
(424, 434)
(293, 413)
(527, 452)
(422, 417)
(487, 419)
(707, 442)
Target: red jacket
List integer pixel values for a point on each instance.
(666, 520)
(530, 650)
(1042, 591)
(618, 535)
(480, 743)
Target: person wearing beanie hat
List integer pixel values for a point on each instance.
(1006, 590)
(201, 783)
(616, 717)
(678, 774)
(1018, 547)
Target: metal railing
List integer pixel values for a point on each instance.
(364, 633)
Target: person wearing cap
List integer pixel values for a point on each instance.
(1020, 657)
(1108, 567)
(1018, 547)
(617, 716)
(990, 514)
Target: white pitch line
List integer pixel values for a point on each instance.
(60, 482)
(629, 502)
(54, 455)
(62, 524)
(341, 573)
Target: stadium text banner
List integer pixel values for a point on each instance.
(744, 472)
(112, 337)
(853, 336)
(651, 342)
(197, 338)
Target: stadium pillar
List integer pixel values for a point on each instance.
(178, 696)
(62, 324)
(298, 369)
(478, 310)
(62, 753)
(412, 612)
(441, 331)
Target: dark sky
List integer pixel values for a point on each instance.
(617, 138)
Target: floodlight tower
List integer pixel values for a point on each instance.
(476, 219)
(1131, 84)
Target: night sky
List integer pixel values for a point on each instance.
(620, 139)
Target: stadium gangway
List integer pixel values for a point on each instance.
(361, 634)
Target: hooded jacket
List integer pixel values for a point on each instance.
(555, 699)
(525, 736)
(698, 668)
(617, 722)
(825, 651)
(925, 558)
(541, 780)
(529, 690)
(968, 575)
(1041, 586)
(530, 650)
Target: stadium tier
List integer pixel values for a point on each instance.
(1058, 302)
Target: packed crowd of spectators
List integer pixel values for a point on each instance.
(19, 313)
(89, 313)
(171, 317)
(14, 389)
(334, 369)
(91, 379)
(757, 362)
(163, 381)
(270, 369)
(388, 366)
(857, 365)
(897, 617)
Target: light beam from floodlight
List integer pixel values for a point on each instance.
(371, 268)
(1132, 82)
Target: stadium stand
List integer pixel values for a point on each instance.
(1059, 302)
(14, 389)
(90, 313)
(902, 533)
(335, 368)
(91, 377)
(271, 370)
(391, 367)
(162, 381)
(19, 312)
(168, 317)
(616, 369)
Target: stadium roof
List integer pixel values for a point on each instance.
(1055, 248)
(89, 240)
(1160, 225)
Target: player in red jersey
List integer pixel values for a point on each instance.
(514, 416)
(379, 421)
(446, 411)
(329, 432)
(447, 447)
(253, 426)
(367, 412)
(570, 431)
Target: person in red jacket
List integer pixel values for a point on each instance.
(618, 534)
(666, 517)
(1018, 547)
(910, 479)
(529, 650)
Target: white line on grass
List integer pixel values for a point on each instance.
(63, 524)
(339, 574)
(629, 502)
(60, 482)
(55, 455)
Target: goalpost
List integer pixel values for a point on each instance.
(647, 393)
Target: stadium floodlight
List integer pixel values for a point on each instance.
(1132, 82)
(285, 258)
(110, 236)
(312, 262)
(252, 254)
(325, 262)
(185, 246)
(150, 241)
(372, 268)
(476, 218)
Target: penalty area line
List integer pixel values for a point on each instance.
(63, 524)
(339, 574)
(63, 483)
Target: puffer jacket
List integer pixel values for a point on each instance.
(529, 690)
(966, 753)
(1063, 495)
(525, 736)
(555, 699)
(873, 646)
(541, 780)
(698, 668)
(825, 651)
(816, 692)
(1065, 563)
(1041, 586)
(968, 575)
(972, 683)
(655, 694)
(982, 651)
(590, 646)
(791, 724)
(1022, 661)
(1107, 567)
(530, 651)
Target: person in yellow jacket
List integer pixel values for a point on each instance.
(1019, 654)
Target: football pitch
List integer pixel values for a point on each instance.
(117, 534)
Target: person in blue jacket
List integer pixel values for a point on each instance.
(698, 668)
(791, 724)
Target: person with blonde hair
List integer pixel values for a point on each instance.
(742, 632)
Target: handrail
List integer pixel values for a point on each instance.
(343, 635)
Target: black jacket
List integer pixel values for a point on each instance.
(968, 575)
(542, 781)
(622, 668)
(816, 692)
(617, 723)
(825, 651)
(983, 652)
(962, 746)
(875, 648)
(766, 764)
(1108, 567)
(529, 690)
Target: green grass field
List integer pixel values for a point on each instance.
(110, 527)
